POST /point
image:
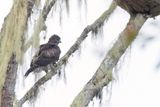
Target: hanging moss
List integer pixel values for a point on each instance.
(37, 2)
(67, 5)
(39, 25)
(37, 29)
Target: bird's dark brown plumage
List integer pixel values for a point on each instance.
(48, 53)
(147, 7)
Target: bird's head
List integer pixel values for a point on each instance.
(54, 39)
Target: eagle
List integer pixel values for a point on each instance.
(147, 7)
(48, 53)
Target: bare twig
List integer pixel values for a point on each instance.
(62, 61)
(103, 75)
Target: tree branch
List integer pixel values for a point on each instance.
(62, 61)
(103, 75)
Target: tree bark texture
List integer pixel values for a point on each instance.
(103, 75)
(8, 94)
(147, 7)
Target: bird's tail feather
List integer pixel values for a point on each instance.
(31, 69)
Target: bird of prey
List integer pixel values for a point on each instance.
(146, 7)
(48, 54)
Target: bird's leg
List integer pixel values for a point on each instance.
(45, 69)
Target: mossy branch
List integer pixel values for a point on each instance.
(11, 36)
(103, 75)
(73, 48)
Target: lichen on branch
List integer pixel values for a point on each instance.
(103, 75)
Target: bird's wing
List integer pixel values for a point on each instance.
(43, 48)
(52, 52)
(34, 59)
(37, 55)
(46, 54)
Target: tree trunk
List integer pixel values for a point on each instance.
(12, 41)
(8, 93)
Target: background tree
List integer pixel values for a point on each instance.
(14, 44)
